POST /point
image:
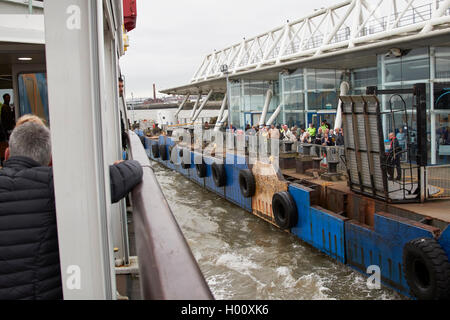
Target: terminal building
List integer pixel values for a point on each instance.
(387, 44)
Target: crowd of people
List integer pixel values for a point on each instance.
(321, 136)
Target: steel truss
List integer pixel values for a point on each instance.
(353, 23)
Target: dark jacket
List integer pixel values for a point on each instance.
(394, 149)
(339, 140)
(29, 255)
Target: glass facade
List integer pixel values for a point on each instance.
(442, 63)
(311, 95)
(247, 99)
(441, 111)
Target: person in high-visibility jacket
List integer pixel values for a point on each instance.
(312, 131)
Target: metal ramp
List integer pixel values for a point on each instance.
(364, 148)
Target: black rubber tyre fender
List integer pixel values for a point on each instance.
(284, 210)
(219, 175)
(163, 152)
(155, 150)
(185, 165)
(247, 183)
(201, 169)
(426, 269)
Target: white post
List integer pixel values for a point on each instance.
(202, 105)
(357, 20)
(433, 114)
(344, 91)
(83, 201)
(274, 115)
(269, 96)
(283, 41)
(305, 89)
(181, 105)
(225, 118)
(196, 104)
(221, 111)
(383, 97)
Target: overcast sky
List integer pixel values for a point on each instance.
(173, 36)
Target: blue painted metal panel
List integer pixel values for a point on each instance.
(233, 165)
(318, 227)
(382, 246)
(444, 241)
(193, 171)
(209, 181)
(302, 200)
(328, 233)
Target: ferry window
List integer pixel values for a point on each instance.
(443, 63)
(33, 96)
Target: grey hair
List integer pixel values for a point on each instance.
(31, 140)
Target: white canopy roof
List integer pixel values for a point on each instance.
(22, 28)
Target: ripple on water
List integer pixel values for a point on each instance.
(244, 257)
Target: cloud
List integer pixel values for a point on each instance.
(172, 37)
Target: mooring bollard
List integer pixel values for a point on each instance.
(332, 166)
(307, 150)
(288, 146)
(316, 163)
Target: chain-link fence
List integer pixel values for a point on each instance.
(438, 182)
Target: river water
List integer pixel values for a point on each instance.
(244, 257)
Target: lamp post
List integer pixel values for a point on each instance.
(224, 70)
